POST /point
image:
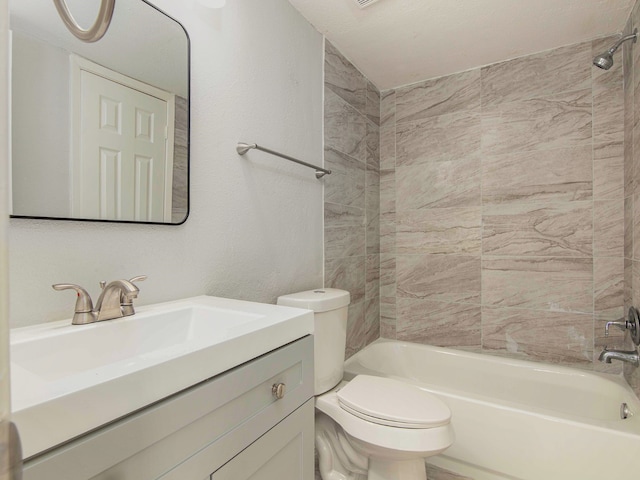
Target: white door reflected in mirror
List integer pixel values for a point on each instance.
(123, 137)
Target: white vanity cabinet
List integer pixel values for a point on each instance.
(229, 427)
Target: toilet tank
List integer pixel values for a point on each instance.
(330, 307)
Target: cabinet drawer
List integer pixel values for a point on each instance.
(285, 451)
(151, 442)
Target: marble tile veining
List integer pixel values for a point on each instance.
(628, 227)
(608, 171)
(372, 279)
(635, 228)
(562, 120)
(558, 229)
(550, 175)
(608, 287)
(557, 337)
(388, 233)
(426, 321)
(346, 185)
(372, 108)
(387, 191)
(388, 275)
(608, 228)
(337, 215)
(373, 146)
(347, 274)
(542, 74)
(344, 242)
(372, 320)
(439, 230)
(388, 130)
(628, 117)
(372, 211)
(540, 283)
(342, 78)
(344, 127)
(608, 105)
(439, 184)
(444, 278)
(388, 108)
(356, 335)
(443, 138)
(388, 320)
(442, 95)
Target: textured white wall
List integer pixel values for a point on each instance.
(255, 228)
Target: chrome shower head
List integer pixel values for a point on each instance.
(605, 60)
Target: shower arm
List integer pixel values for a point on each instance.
(632, 36)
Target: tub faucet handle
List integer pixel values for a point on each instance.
(632, 323)
(621, 325)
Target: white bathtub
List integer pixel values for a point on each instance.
(515, 419)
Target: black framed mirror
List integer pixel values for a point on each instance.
(99, 131)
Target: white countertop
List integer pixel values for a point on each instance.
(70, 379)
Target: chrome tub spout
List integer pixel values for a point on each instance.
(629, 356)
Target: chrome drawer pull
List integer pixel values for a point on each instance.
(278, 390)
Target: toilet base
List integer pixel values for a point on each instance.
(344, 457)
(380, 469)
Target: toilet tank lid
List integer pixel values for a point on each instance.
(319, 300)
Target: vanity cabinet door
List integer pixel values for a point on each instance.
(284, 452)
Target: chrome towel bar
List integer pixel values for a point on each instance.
(243, 148)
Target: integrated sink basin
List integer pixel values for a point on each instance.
(70, 379)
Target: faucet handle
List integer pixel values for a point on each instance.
(83, 312)
(126, 303)
(621, 325)
(632, 324)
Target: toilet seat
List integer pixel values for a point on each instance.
(411, 441)
(385, 401)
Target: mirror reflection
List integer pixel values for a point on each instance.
(100, 131)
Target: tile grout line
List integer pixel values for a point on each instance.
(593, 226)
(482, 165)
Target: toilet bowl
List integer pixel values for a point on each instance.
(371, 428)
(393, 424)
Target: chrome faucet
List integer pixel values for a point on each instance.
(109, 304)
(115, 301)
(630, 356)
(631, 324)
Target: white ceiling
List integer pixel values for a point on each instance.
(397, 42)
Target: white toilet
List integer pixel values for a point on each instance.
(371, 427)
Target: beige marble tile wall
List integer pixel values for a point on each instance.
(631, 59)
(352, 194)
(180, 192)
(502, 208)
